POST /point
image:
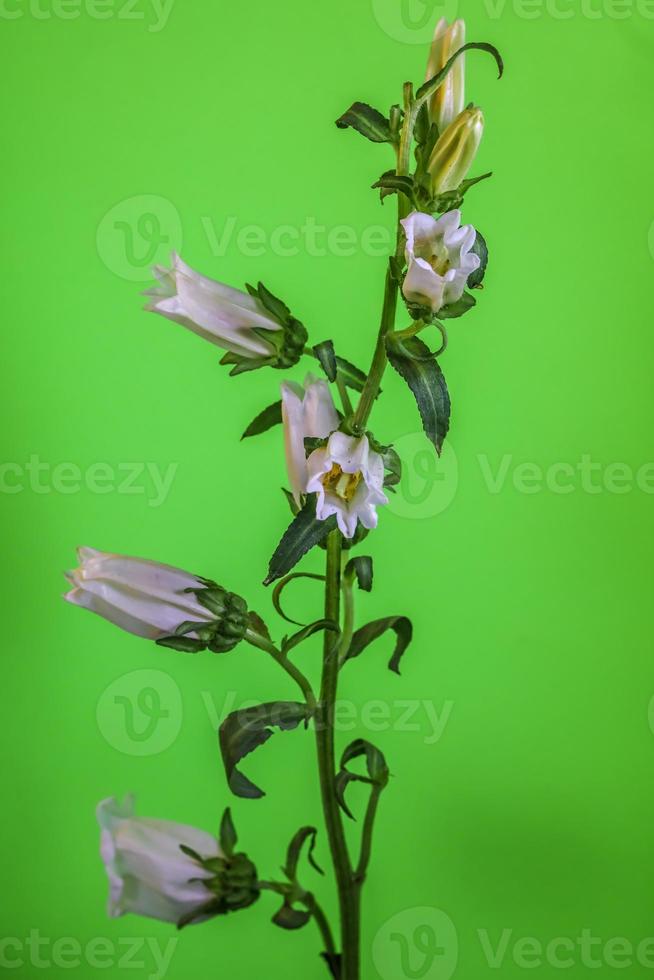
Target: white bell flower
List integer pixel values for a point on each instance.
(221, 314)
(439, 258)
(140, 596)
(307, 412)
(348, 478)
(148, 873)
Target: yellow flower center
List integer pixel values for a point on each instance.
(440, 263)
(344, 485)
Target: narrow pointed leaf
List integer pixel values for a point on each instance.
(367, 121)
(264, 420)
(295, 850)
(227, 835)
(363, 637)
(304, 533)
(244, 731)
(425, 379)
(281, 585)
(327, 357)
(430, 86)
(361, 569)
(293, 641)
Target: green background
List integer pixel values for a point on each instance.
(532, 812)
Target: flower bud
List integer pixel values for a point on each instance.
(255, 328)
(455, 151)
(158, 602)
(449, 99)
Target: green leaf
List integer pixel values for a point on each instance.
(375, 761)
(281, 585)
(427, 383)
(432, 84)
(361, 568)
(363, 637)
(303, 533)
(367, 121)
(454, 310)
(352, 376)
(375, 765)
(480, 248)
(264, 420)
(392, 183)
(327, 357)
(295, 850)
(244, 731)
(227, 835)
(288, 643)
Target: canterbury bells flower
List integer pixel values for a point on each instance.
(307, 412)
(255, 330)
(148, 873)
(438, 257)
(348, 477)
(158, 602)
(449, 99)
(455, 151)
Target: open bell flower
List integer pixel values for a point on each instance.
(307, 412)
(449, 99)
(439, 258)
(348, 478)
(157, 602)
(455, 151)
(148, 873)
(225, 316)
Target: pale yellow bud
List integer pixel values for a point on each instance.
(449, 99)
(455, 151)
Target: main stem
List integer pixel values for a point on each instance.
(348, 891)
(349, 880)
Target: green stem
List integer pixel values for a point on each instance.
(321, 921)
(348, 620)
(262, 643)
(348, 893)
(366, 835)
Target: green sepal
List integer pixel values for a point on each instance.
(427, 383)
(363, 637)
(304, 532)
(480, 248)
(454, 199)
(327, 356)
(245, 730)
(184, 644)
(361, 569)
(460, 308)
(393, 468)
(227, 835)
(272, 415)
(367, 121)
